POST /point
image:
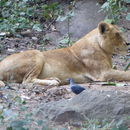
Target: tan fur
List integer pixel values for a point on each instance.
(88, 59)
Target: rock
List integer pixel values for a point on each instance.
(69, 115)
(26, 33)
(86, 17)
(54, 37)
(2, 84)
(89, 104)
(34, 38)
(4, 34)
(101, 1)
(11, 50)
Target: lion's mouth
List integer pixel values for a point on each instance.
(121, 50)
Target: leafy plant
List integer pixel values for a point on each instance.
(127, 66)
(67, 38)
(113, 10)
(110, 83)
(18, 15)
(94, 124)
(19, 100)
(128, 16)
(65, 41)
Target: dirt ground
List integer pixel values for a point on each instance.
(14, 95)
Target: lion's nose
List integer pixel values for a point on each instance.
(127, 43)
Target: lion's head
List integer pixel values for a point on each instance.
(112, 40)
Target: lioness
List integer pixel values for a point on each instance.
(90, 58)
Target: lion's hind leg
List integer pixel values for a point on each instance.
(32, 77)
(32, 74)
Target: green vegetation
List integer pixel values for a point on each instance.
(21, 118)
(127, 67)
(66, 40)
(19, 15)
(93, 124)
(114, 9)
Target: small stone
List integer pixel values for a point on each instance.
(2, 84)
(4, 33)
(34, 38)
(108, 95)
(11, 50)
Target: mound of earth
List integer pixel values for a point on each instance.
(90, 103)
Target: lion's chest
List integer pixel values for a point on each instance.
(95, 61)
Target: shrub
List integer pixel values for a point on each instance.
(114, 8)
(17, 15)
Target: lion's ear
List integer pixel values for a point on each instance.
(103, 27)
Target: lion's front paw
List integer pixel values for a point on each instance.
(53, 82)
(54, 78)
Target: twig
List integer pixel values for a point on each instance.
(50, 24)
(68, 26)
(127, 66)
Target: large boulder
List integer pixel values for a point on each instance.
(93, 104)
(86, 18)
